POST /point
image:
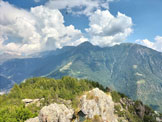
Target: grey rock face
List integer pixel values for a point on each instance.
(55, 113)
(96, 102)
(140, 110)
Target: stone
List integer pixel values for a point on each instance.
(56, 113)
(96, 102)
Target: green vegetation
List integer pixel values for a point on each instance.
(96, 118)
(68, 88)
(15, 114)
(115, 96)
(117, 107)
(12, 109)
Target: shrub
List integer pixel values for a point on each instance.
(15, 114)
(97, 118)
(117, 107)
(148, 118)
(115, 96)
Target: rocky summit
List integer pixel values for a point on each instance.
(94, 103)
(94, 106)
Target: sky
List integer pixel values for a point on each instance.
(30, 26)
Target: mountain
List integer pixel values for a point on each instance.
(70, 100)
(131, 69)
(5, 83)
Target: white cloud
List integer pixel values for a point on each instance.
(37, 1)
(156, 45)
(86, 7)
(42, 28)
(106, 29)
(39, 29)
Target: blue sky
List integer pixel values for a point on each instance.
(140, 21)
(146, 15)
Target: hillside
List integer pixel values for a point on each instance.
(77, 98)
(131, 69)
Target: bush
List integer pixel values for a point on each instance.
(115, 96)
(15, 114)
(117, 107)
(97, 118)
(149, 119)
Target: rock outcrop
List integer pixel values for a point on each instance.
(93, 103)
(54, 113)
(97, 106)
(96, 102)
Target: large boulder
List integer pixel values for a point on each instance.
(96, 102)
(56, 113)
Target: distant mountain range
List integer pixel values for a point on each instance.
(5, 83)
(132, 69)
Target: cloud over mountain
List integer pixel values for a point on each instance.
(156, 45)
(42, 27)
(106, 29)
(39, 29)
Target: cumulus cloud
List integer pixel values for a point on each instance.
(156, 45)
(106, 29)
(39, 29)
(42, 28)
(86, 7)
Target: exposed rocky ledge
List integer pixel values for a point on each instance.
(54, 113)
(96, 102)
(92, 103)
(96, 106)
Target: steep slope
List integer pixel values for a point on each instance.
(41, 64)
(128, 68)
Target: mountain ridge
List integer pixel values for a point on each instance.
(128, 68)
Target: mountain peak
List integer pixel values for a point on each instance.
(86, 43)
